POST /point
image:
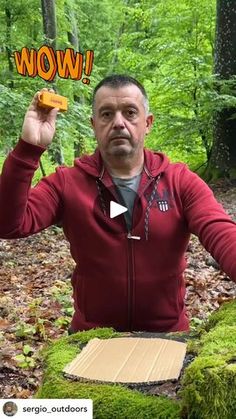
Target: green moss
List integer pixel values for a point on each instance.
(208, 383)
(211, 173)
(225, 315)
(220, 341)
(209, 389)
(232, 173)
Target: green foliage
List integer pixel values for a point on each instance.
(74, 134)
(167, 45)
(24, 330)
(170, 46)
(48, 165)
(62, 322)
(11, 103)
(25, 359)
(195, 323)
(62, 292)
(33, 329)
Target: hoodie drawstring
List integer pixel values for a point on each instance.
(150, 201)
(101, 198)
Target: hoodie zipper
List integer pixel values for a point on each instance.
(131, 275)
(130, 281)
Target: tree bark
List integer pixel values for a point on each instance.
(50, 32)
(49, 22)
(222, 162)
(9, 20)
(42, 168)
(72, 32)
(73, 38)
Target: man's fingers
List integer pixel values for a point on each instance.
(39, 92)
(52, 114)
(35, 99)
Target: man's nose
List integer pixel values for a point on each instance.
(118, 121)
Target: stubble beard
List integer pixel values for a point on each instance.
(122, 150)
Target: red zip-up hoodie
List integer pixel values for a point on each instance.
(127, 280)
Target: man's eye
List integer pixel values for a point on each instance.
(106, 114)
(131, 113)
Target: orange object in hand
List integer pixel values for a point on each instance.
(51, 100)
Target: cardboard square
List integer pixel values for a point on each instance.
(128, 360)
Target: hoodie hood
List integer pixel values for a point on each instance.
(155, 163)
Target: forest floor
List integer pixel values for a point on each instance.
(36, 303)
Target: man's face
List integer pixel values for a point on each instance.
(120, 122)
(9, 410)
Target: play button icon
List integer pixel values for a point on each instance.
(116, 209)
(113, 214)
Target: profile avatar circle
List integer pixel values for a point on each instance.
(9, 408)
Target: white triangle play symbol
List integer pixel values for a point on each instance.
(116, 209)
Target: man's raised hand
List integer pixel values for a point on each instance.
(39, 123)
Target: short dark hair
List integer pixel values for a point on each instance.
(119, 80)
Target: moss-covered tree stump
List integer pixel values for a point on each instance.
(208, 383)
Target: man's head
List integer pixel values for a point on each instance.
(10, 408)
(120, 116)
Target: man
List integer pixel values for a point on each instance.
(9, 408)
(129, 269)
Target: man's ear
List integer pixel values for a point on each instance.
(92, 121)
(149, 122)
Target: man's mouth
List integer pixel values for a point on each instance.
(119, 137)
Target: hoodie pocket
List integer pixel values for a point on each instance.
(102, 301)
(159, 301)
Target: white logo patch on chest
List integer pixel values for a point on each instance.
(163, 205)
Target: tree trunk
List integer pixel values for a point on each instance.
(222, 162)
(50, 32)
(72, 32)
(9, 20)
(73, 38)
(49, 22)
(42, 168)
